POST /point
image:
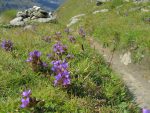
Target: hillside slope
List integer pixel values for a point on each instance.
(23, 4)
(94, 86)
(127, 20)
(121, 29)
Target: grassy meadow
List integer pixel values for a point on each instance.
(94, 86)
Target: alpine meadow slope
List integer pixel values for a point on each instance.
(52, 68)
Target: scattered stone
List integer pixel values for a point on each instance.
(17, 21)
(139, 1)
(75, 19)
(147, 19)
(145, 10)
(32, 14)
(103, 1)
(101, 11)
(135, 9)
(126, 58)
(77, 16)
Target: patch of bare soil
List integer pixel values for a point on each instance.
(135, 76)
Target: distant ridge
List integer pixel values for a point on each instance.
(23, 4)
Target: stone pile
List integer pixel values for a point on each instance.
(35, 14)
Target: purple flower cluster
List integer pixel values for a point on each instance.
(145, 110)
(25, 98)
(34, 59)
(70, 56)
(82, 32)
(7, 45)
(34, 56)
(72, 39)
(62, 74)
(59, 48)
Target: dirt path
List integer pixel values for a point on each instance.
(133, 75)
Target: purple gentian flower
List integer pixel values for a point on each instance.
(25, 102)
(64, 64)
(82, 32)
(62, 74)
(26, 93)
(72, 38)
(69, 56)
(66, 81)
(34, 56)
(145, 110)
(58, 66)
(59, 48)
(7, 45)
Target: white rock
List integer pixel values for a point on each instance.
(26, 19)
(103, 0)
(50, 14)
(17, 21)
(138, 1)
(36, 8)
(77, 16)
(126, 58)
(73, 21)
(101, 11)
(145, 10)
(19, 13)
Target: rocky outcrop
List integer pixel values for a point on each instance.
(35, 14)
(17, 21)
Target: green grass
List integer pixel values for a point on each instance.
(7, 15)
(128, 23)
(95, 83)
(94, 87)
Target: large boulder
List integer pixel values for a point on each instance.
(32, 14)
(18, 21)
